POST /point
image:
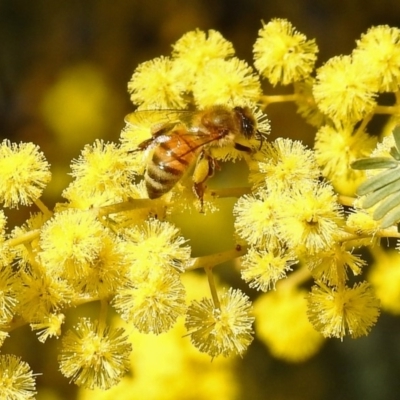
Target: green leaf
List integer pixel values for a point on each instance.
(395, 153)
(378, 181)
(381, 193)
(387, 205)
(374, 163)
(396, 136)
(391, 218)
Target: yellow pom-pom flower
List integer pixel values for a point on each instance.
(158, 83)
(154, 303)
(379, 51)
(226, 330)
(311, 218)
(330, 266)
(94, 357)
(196, 48)
(16, 379)
(8, 294)
(70, 242)
(42, 293)
(257, 217)
(306, 105)
(337, 312)
(284, 163)
(282, 54)
(231, 82)
(262, 269)
(335, 149)
(49, 326)
(103, 171)
(343, 90)
(24, 173)
(155, 245)
(171, 360)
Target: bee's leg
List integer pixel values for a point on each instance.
(204, 168)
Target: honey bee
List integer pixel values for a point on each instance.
(183, 138)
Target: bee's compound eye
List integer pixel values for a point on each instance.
(246, 121)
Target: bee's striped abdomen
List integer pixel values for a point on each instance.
(168, 165)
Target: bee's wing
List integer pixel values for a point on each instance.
(158, 117)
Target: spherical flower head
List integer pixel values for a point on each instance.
(158, 83)
(312, 217)
(331, 265)
(281, 323)
(282, 54)
(361, 222)
(16, 379)
(155, 245)
(343, 90)
(171, 361)
(384, 276)
(226, 330)
(3, 223)
(42, 293)
(102, 168)
(337, 312)
(24, 173)
(336, 148)
(284, 163)
(231, 82)
(257, 215)
(7, 253)
(195, 49)
(379, 51)
(383, 149)
(3, 337)
(152, 304)
(107, 272)
(263, 268)
(35, 222)
(70, 242)
(94, 357)
(8, 294)
(306, 105)
(49, 326)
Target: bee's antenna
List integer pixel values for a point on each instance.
(261, 138)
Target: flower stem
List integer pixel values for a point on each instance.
(103, 316)
(397, 94)
(212, 260)
(43, 208)
(387, 110)
(364, 123)
(132, 204)
(280, 98)
(230, 192)
(382, 233)
(26, 237)
(213, 288)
